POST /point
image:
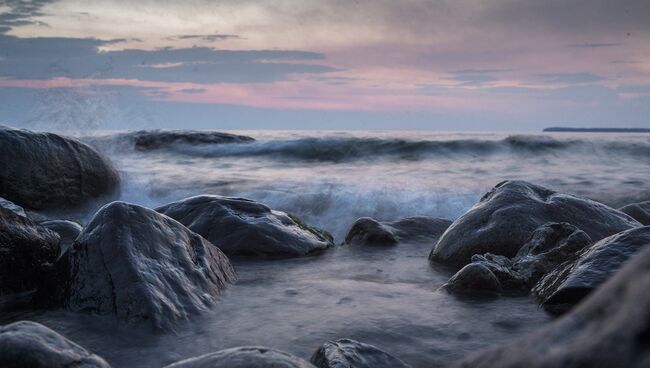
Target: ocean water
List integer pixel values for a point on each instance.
(385, 296)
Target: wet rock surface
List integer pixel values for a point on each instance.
(504, 219)
(28, 344)
(27, 250)
(347, 353)
(610, 328)
(639, 211)
(244, 357)
(137, 264)
(368, 231)
(45, 171)
(67, 230)
(242, 227)
(12, 207)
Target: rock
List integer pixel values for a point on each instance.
(27, 250)
(67, 230)
(347, 353)
(26, 344)
(504, 219)
(569, 283)
(610, 328)
(242, 227)
(46, 171)
(244, 357)
(155, 139)
(473, 278)
(137, 264)
(12, 206)
(368, 231)
(639, 211)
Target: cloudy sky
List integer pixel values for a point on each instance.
(287, 64)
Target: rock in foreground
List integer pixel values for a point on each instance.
(244, 357)
(639, 211)
(137, 264)
(347, 353)
(27, 344)
(611, 328)
(242, 227)
(504, 219)
(421, 229)
(46, 171)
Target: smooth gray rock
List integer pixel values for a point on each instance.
(242, 227)
(12, 206)
(610, 328)
(137, 264)
(67, 230)
(368, 231)
(45, 171)
(27, 250)
(347, 353)
(474, 278)
(244, 357)
(26, 344)
(639, 211)
(569, 283)
(504, 219)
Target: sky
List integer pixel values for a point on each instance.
(479, 65)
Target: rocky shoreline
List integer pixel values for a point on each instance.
(580, 258)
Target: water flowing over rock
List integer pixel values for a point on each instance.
(67, 230)
(45, 171)
(12, 206)
(137, 264)
(610, 328)
(569, 283)
(368, 231)
(155, 139)
(242, 227)
(244, 357)
(27, 250)
(26, 344)
(504, 219)
(639, 211)
(347, 353)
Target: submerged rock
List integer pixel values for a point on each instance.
(155, 139)
(242, 227)
(368, 231)
(46, 171)
(137, 264)
(347, 353)
(244, 357)
(27, 250)
(504, 219)
(67, 230)
(611, 328)
(28, 344)
(639, 211)
(12, 207)
(568, 284)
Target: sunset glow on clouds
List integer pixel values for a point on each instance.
(526, 64)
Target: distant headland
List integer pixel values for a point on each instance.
(598, 130)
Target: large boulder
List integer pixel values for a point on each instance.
(244, 357)
(569, 283)
(67, 230)
(504, 219)
(242, 227)
(611, 328)
(44, 171)
(27, 250)
(639, 211)
(137, 264)
(28, 344)
(347, 353)
(421, 229)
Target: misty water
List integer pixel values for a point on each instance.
(388, 297)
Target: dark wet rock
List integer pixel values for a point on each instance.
(27, 250)
(504, 219)
(473, 278)
(639, 211)
(368, 231)
(46, 171)
(155, 139)
(242, 227)
(610, 328)
(67, 230)
(569, 283)
(137, 264)
(12, 206)
(28, 344)
(347, 353)
(244, 357)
